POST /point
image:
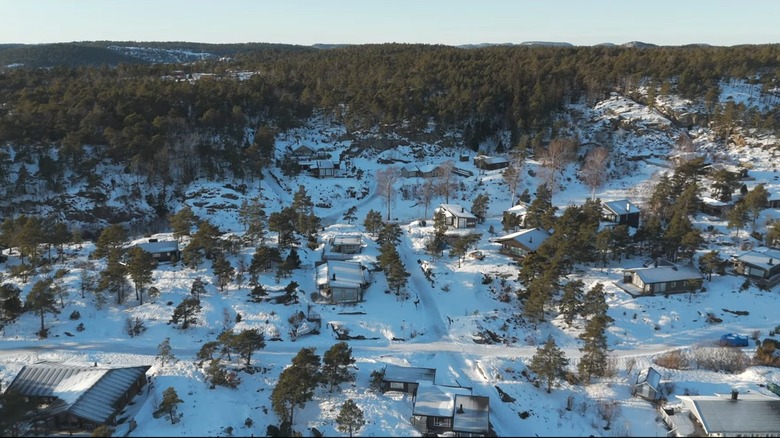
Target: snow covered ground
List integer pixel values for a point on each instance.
(436, 332)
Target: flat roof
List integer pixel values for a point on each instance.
(395, 373)
(347, 239)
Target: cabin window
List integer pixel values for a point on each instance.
(673, 284)
(396, 385)
(441, 422)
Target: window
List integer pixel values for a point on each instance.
(441, 422)
(397, 385)
(673, 284)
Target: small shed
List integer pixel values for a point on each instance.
(406, 379)
(646, 385)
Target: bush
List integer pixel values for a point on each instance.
(766, 353)
(674, 360)
(135, 326)
(75, 315)
(727, 359)
(80, 327)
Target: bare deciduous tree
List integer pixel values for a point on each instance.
(427, 193)
(385, 179)
(444, 176)
(594, 169)
(558, 154)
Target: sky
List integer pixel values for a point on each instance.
(439, 332)
(450, 22)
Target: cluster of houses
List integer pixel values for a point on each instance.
(719, 415)
(439, 410)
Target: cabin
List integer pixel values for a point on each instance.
(621, 212)
(406, 379)
(342, 247)
(303, 153)
(456, 216)
(410, 171)
(162, 251)
(761, 266)
(714, 207)
(323, 168)
(662, 280)
(646, 385)
(773, 197)
(485, 162)
(79, 396)
(434, 407)
(719, 415)
(341, 281)
(472, 416)
(523, 242)
(739, 172)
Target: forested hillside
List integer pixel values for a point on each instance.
(172, 123)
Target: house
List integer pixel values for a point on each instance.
(762, 266)
(485, 162)
(434, 407)
(406, 379)
(162, 251)
(302, 153)
(646, 385)
(456, 216)
(323, 168)
(773, 197)
(410, 171)
(621, 212)
(745, 415)
(661, 280)
(342, 281)
(515, 217)
(714, 207)
(342, 247)
(739, 172)
(83, 396)
(472, 415)
(523, 242)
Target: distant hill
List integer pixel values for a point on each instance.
(113, 53)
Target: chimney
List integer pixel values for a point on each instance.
(770, 260)
(628, 207)
(734, 394)
(334, 276)
(460, 409)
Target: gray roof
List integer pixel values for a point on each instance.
(475, 417)
(347, 239)
(750, 414)
(530, 238)
(87, 392)
(621, 207)
(761, 259)
(395, 373)
(159, 247)
(649, 376)
(663, 274)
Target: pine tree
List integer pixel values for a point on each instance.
(186, 312)
(164, 352)
(296, 385)
(41, 299)
(571, 301)
(169, 405)
(252, 216)
(15, 411)
(373, 222)
(479, 207)
(755, 201)
(350, 418)
(11, 305)
(595, 302)
(198, 288)
(549, 362)
(350, 216)
(247, 342)
(110, 242)
(335, 364)
(593, 362)
(140, 267)
(223, 271)
(182, 222)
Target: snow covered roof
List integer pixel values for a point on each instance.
(456, 210)
(663, 274)
(85, 391)
(159, 246)
(347, 239)
(765, 259)
(650, 376)
(340, 273)
(749, 414)
(472, 413)
(436, 400)
(518, 209)
(530, 238)
(621, 207)
(395, 373)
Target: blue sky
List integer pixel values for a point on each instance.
(452, 22)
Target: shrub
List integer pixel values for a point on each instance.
(766, 353)
(75, 315)
(674, 360)
(80, 327)
(727, 359)
(135, 326)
